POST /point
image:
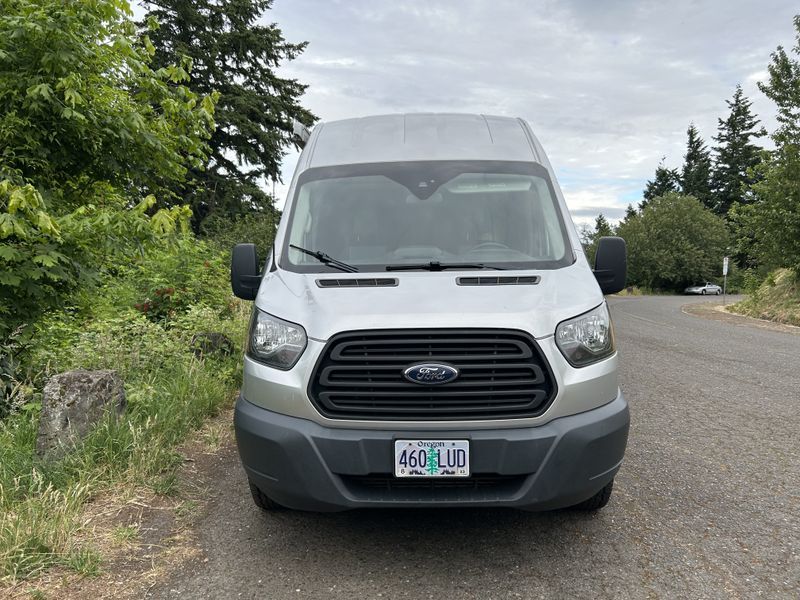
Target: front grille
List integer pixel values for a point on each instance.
(502, 375)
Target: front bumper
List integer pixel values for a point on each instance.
(306, 466)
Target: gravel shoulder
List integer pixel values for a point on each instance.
(714, 309)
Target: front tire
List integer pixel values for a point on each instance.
(598, 501)
(703, 292)
(718, 292)
(263, 501)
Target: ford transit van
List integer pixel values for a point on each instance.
(427, 331)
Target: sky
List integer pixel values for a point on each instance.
(609, 87)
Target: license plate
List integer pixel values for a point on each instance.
(431, 458)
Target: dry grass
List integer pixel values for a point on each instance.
(135, 537)
(777, 299)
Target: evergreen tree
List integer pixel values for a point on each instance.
(665, 181)
(630, 213)
(602, 228)
(695, 177)
(735, 153)
(234, 53)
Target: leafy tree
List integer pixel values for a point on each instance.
(80, 104)
(233, 52)
(735, 153)
(770, 227)
(695, 176)
(88, 132)
(674, 242)
(665, 181)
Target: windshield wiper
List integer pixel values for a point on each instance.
(435, 265)
(326, 260)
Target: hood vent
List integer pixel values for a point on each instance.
(499, 280)
(360, 282)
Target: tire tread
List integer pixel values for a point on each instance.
(263, 501)
(598, 501)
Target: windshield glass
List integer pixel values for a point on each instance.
(498, 214)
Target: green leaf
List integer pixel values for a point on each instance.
(45, 260)
(10, 279)
(41, 90)
(9, 253)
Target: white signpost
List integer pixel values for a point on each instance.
(724, 280)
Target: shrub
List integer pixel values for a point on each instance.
(257, 228)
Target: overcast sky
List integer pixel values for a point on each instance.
(608, 86)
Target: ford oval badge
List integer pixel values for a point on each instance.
(430, 373)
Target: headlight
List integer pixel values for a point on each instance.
(275, 342)
(588, 338)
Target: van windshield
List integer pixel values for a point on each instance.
(497, 214)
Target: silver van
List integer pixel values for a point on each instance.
(427, 330)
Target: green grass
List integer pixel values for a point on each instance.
(170, 393)
(776, 299)
(125, 533)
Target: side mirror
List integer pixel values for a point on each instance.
(245, 277)
(611, 264)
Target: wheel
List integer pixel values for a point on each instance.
(719, 292)
(703, 292)
(263, 501)
(598, 501)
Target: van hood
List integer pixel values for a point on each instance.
(423, 299)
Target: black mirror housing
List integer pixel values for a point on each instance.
(245, 277)
(611, 264)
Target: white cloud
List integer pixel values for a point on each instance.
(609, 87)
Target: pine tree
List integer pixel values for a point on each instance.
(665, 181)
(695, 177)
(233, 52)
(630, 213)
(602, 228)
(735, 153)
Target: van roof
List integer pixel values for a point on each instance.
(420, 136)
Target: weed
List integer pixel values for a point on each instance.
(85, 561)
(125, 533)
(187, 510)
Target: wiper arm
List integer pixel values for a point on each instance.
(326, 260)
(435, 265)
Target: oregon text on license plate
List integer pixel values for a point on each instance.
(431, 458)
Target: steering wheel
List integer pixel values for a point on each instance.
(489, 246)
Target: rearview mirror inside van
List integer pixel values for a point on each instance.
(245, 277)
(611, 264)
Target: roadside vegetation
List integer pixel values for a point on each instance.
(116, 218)
(776, 299)
(733, 199)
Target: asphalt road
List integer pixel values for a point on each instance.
(707, 504)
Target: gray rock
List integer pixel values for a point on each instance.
(72, 404)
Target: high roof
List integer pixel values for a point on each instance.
(420, 136)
